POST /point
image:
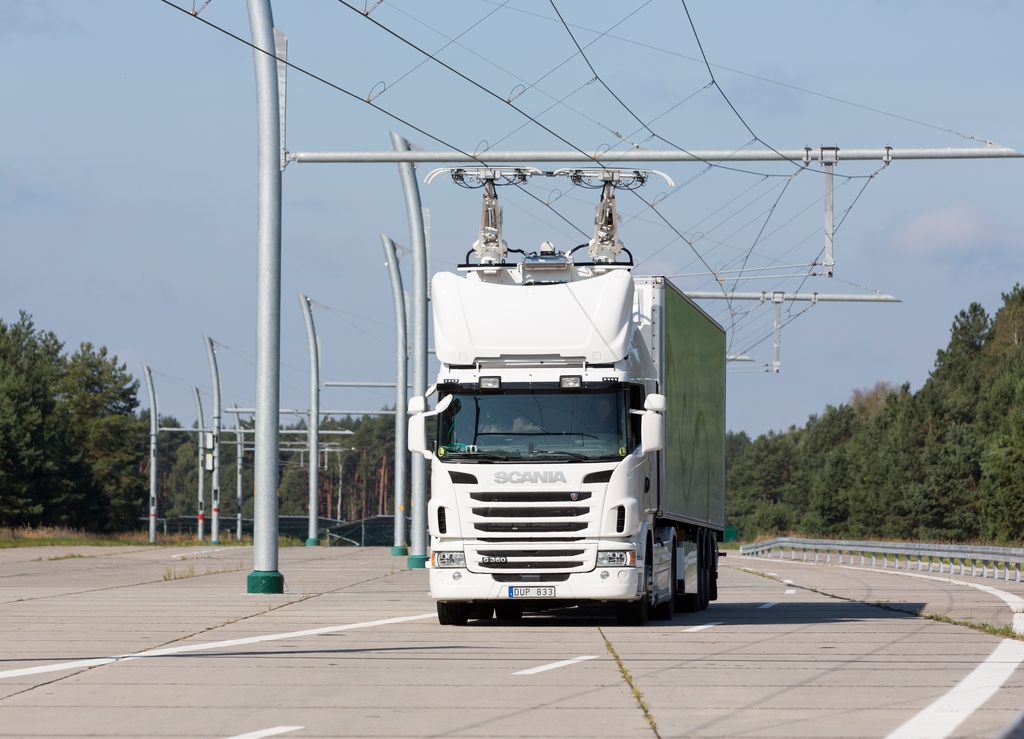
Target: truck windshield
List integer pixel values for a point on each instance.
(534, 425)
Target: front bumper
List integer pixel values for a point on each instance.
(621, 584)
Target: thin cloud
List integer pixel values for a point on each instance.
(959, 228)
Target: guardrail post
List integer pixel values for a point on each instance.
(1017, 568)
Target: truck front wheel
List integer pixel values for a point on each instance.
(635, 612)
(452, 614)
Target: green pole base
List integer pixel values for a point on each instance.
(417, 561)
(399, 551)
(265, 582)
(312, 542)
(214, 542)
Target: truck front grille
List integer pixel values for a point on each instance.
(540, 512)
(540, 497)
(508, 558)
(530, 512)
(520, 527)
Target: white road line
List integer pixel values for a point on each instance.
(769, 605)
(203, 646)
(791, 591)
(772, 574)
(1015, 602)
(553, 665)
(702, 627)
(788, 582)
(190, 555)
(942, 717)
(267, 732)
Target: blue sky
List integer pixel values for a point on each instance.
(127, 186)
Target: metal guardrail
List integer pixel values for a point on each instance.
(995, 562)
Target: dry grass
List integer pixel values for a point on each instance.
(54, 536)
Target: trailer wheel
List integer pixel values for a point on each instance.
(452, 614)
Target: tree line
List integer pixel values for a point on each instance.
(945, 463)
(74, 448)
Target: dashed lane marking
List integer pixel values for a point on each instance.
(267, 732)
(769, 605)
(190, 555)
(702, 627)
(553, 665)
(791, 591)
(203, 646)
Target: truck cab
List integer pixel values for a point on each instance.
(545, 443)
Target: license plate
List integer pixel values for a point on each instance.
(531, 592)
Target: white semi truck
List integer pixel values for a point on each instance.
(577, 442)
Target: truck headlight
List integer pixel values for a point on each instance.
(448, 559)
(618, 558)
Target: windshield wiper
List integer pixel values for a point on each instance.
(560, 453)
(483, 456)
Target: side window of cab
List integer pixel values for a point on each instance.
(635, 395)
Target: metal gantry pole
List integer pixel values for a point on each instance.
(239, 462)
(418, 536)
(265, 577)
(313, 537)
(201, 469)
(211, 356)
(399, 549)
(777, 336)
(829, 156)
(154, 429)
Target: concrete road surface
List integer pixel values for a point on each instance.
(165, 642)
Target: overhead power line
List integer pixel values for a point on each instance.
(762, 78)
(349, 93)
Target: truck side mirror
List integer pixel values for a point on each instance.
(652, 431)
(417, 442)
(655, 402)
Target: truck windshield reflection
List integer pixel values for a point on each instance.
(533, 425)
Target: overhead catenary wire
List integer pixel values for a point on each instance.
(451, 41)
(482, 158)
(522, 112)
(628, 109)
(486, 59)
(349, 93)
(762, 78)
